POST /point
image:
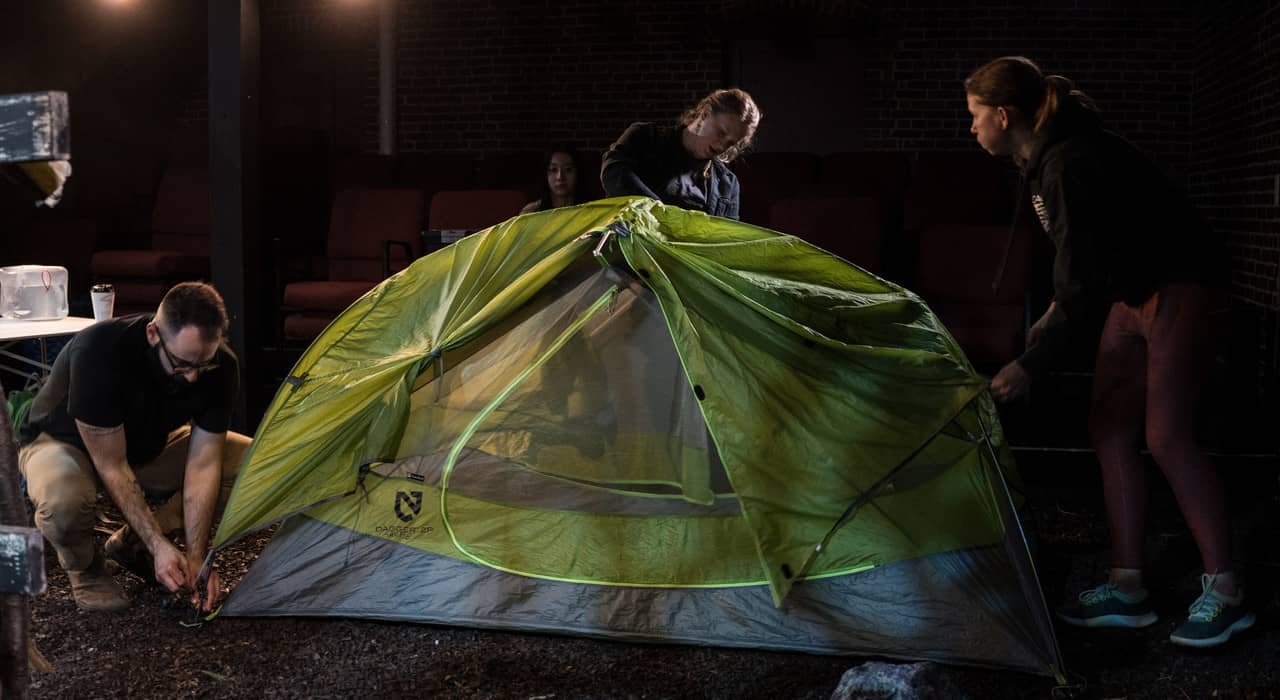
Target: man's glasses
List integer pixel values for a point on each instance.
(181, 366)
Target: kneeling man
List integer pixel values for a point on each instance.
(137, 405)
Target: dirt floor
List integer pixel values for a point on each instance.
(149, 652)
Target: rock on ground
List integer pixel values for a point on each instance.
(887, 681)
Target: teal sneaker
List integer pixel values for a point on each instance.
(1213, 618)
(1106, 606)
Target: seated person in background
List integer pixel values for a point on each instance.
(560, 187)
(137, 403)
(686, 164)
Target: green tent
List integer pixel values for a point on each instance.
(627, 420)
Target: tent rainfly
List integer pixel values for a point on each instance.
(631, 421)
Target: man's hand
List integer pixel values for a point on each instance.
(171, 569)
(1010, 382)
(207, 598)
(199, 499)
(107, 449)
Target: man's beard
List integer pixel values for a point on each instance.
(169, 383)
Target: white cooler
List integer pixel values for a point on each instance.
(33, 292)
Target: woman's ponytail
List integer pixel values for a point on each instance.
(1057, 90)
(1060, 93)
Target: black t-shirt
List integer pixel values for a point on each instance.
(649, 160)
(109, 375)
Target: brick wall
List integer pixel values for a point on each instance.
(487, 74)
(504, 75)
(316, 57)
(501, 74)
(1135, 61)
(1235, 162)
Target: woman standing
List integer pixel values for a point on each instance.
(686, 164)
(1130, 245)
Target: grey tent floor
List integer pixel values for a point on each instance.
(146, 652)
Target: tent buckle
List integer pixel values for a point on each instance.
(599, 250)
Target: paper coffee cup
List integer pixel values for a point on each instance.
(103, 297)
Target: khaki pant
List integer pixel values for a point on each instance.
(64, 486)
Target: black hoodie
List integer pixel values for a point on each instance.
(649, 160)
(1121, 228)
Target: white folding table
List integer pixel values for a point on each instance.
(12, 331)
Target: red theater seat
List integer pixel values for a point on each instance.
(768, 177)
(850, 227)
(178, 250)
(458, 213)
(512, 170)
(880, 174)
(372, 233)
(437, 171)
(955, 268)
(962, 187)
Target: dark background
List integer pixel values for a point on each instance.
(1194, 84)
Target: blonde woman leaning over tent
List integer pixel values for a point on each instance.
(1130, 245)
(686, 164)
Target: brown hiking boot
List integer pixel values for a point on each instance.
(125, 548)
(94, 589)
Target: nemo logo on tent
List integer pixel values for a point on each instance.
(412, 500)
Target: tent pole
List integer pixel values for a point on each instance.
(858, 502)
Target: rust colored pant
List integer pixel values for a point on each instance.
(1153, 360)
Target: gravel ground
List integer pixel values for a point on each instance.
(148, 651)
